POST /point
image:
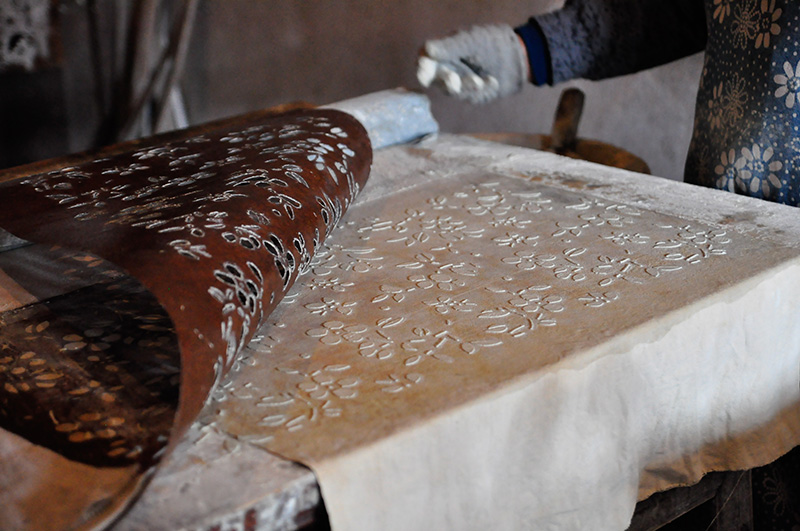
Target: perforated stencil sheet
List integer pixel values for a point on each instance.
(206, 233)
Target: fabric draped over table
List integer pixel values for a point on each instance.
(503, 338)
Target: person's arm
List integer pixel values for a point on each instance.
(591, 39)
(595, 39)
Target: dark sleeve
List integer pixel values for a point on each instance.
(598, 39)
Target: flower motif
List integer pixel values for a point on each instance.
(450, 229)
(570, 228)
(775, 495)
(756, 170)
(789, 83)
(445, 305)
(327, 305)
(702, 237)
(625, 238)
(722, 9)
(726, 171)
(726, 104)
(532, 300)
(513, 239)
(570, 271)
(440, 280)
(745, 25)
(334, 332)
(767, 23)
(396, 384)
(491, 203)
(629, 270)
(735, 98)
(333, 284)
(598, 300)
(715, 104)
(320, 385)
(537, 205)
(529, 260)
(437, 203)
(512, 221)
(427, 343)
(612, 215)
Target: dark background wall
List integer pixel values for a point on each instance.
(250, 54)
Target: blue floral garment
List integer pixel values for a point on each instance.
(746, 136)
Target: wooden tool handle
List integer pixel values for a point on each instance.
(565, 124)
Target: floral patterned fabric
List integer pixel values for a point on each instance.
(776, 491)
(746, 120)
(746, 123)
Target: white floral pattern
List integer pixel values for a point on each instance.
(789, 84)
(756, 172)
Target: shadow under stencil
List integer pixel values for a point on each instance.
(92, 373)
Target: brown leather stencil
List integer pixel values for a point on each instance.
(215, 226)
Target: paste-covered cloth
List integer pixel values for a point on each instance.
(208, 233)
(504, 339)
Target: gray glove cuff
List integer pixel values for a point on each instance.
(493, 53)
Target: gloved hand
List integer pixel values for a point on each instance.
(478, 65)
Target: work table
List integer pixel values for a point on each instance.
(726, 253)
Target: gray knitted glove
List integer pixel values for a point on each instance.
(478, 65)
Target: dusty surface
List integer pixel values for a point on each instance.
(525, 260)
(590, 255)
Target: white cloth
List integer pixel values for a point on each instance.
(573, 447)
(665, 347)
